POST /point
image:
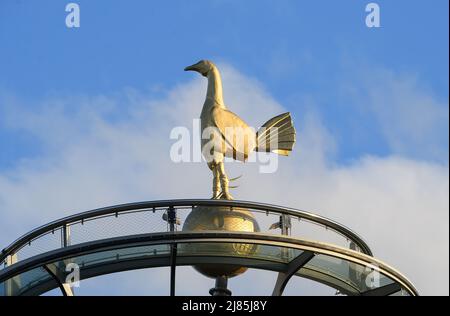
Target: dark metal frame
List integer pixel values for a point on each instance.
(309, 249)
(292, 268)
(55, 277)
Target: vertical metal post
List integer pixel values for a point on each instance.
(65, 236)
(13, 284)
(172, 219)
(11, 259)
(65, 242)
(285, 225)
(352, 273)
(173, 266)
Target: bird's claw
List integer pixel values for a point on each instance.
(226, 196)
(222, 196)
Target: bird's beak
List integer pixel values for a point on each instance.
(190, 68)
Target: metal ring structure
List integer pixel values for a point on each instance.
(314, 260)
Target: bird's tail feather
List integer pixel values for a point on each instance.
(277, 135)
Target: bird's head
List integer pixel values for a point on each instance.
(203, 67)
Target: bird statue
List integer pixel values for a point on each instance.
(224, 134)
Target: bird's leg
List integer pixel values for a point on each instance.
(216, 182)
(224, 182)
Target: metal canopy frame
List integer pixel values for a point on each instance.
(291, 269)
(65, 288)
(309, 250)
(64, 223)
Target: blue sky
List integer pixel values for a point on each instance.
(293, 47)
(370, 106)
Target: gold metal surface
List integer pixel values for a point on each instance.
(220, 219)
(227, 135)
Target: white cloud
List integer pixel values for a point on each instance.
(113, 149)
(413, 121)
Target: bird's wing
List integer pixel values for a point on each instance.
(238, 135)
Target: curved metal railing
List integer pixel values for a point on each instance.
(116, 220)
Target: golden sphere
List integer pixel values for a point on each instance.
(205, 218)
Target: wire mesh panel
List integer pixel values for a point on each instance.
(117, 225)
(187, 215)
(44, 243)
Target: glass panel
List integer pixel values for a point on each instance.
(24, 283)
(350, 276)
(110, 256)
(246, 250)
(402, 292)
(347, 277)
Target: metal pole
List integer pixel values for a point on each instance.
(173, 266)
(352, 273)
(65, 242)
(172, 218)
(65, 236)
(12, 284)
(221, 287)
(285, 223)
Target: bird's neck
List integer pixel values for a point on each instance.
(214, 91)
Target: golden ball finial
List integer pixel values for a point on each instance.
(219, 218)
